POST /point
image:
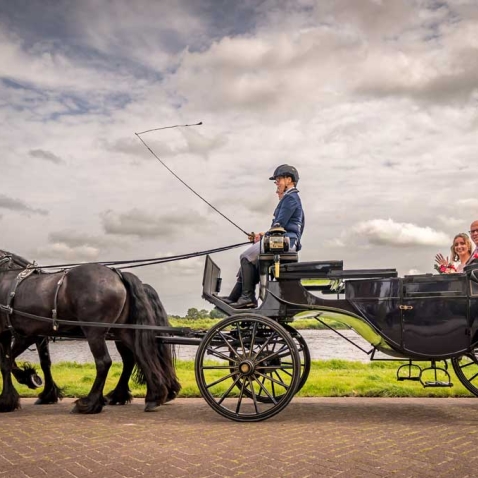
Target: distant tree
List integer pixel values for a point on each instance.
(204, 314)
(192, 313)
(216, 314)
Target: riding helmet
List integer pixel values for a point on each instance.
(286, 170)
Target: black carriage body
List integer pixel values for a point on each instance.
(429, 316)
(421, 317)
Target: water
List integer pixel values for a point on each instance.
(323, 345)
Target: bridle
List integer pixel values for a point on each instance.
(5, 258)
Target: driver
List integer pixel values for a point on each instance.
(288, 215)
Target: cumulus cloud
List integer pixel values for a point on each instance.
(187, 267)
(470, 203)
(45, 155)
(133, 147)
(451, 221)
(190, 142)
(61, 250)
(386, 232)
(79, 240)
(12, 204)
(142, 224)
(200, 144)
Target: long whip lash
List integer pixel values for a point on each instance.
(177, 177)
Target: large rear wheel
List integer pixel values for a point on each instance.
(466, 369)
(244, 359)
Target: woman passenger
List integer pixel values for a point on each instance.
(460, 253)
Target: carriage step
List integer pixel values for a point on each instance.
(438, 384)
(413, 379)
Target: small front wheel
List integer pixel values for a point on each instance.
(244, 358)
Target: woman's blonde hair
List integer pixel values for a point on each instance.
(466, 238)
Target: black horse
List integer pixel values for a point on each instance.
(89, 293)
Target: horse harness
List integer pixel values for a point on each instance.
(27, 272)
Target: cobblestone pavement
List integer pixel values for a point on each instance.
(317, 437)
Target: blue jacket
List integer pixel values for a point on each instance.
(290, 215)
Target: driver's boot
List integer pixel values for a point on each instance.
(248, 297)
(235, 293)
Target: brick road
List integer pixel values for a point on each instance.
(319, 437)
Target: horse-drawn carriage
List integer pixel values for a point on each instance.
(419, 318)
(250, 365)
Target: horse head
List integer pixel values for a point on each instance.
(8, 259)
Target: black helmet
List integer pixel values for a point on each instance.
(286, 170)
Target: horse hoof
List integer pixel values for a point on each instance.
(41, 401)
(151, 406)
(85, 407)
(35, 381)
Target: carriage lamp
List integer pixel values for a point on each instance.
(275, 242)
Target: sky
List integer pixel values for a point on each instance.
(374, 102)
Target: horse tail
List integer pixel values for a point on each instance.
(166, 352)
(145, 345)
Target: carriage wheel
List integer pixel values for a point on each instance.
(304, 355)
(466, 369)
(243, 358)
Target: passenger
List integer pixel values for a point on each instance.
(474, 237)
(460, 254)
(289, 215)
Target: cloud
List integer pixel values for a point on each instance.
(450, 221)
(189, 142)
(190, 267)
(200, 144)
(133, 147)
(46, 155)
(75, 254)
(470, 203)
(398, 234)
(18, 205)
(78, 240)
(142, 224)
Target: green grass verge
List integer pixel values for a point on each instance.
(328, 378)
(204, 324)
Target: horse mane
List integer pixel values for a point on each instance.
(18, 260)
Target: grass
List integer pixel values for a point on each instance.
(328, 378)
(204, 324)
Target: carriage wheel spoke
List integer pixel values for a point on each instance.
(239, 400)
(467, 365)
(228, 391)
(216, 367)
(470, 379)
(262, 383)
(263, 388)
(254, 397)
(283, 352)
(273, 380)
(264, 345)
(229, 375)
(231, 348)
(239, 333)
(253, 339)
(217, 354)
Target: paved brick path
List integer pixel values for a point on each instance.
(318, 437)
